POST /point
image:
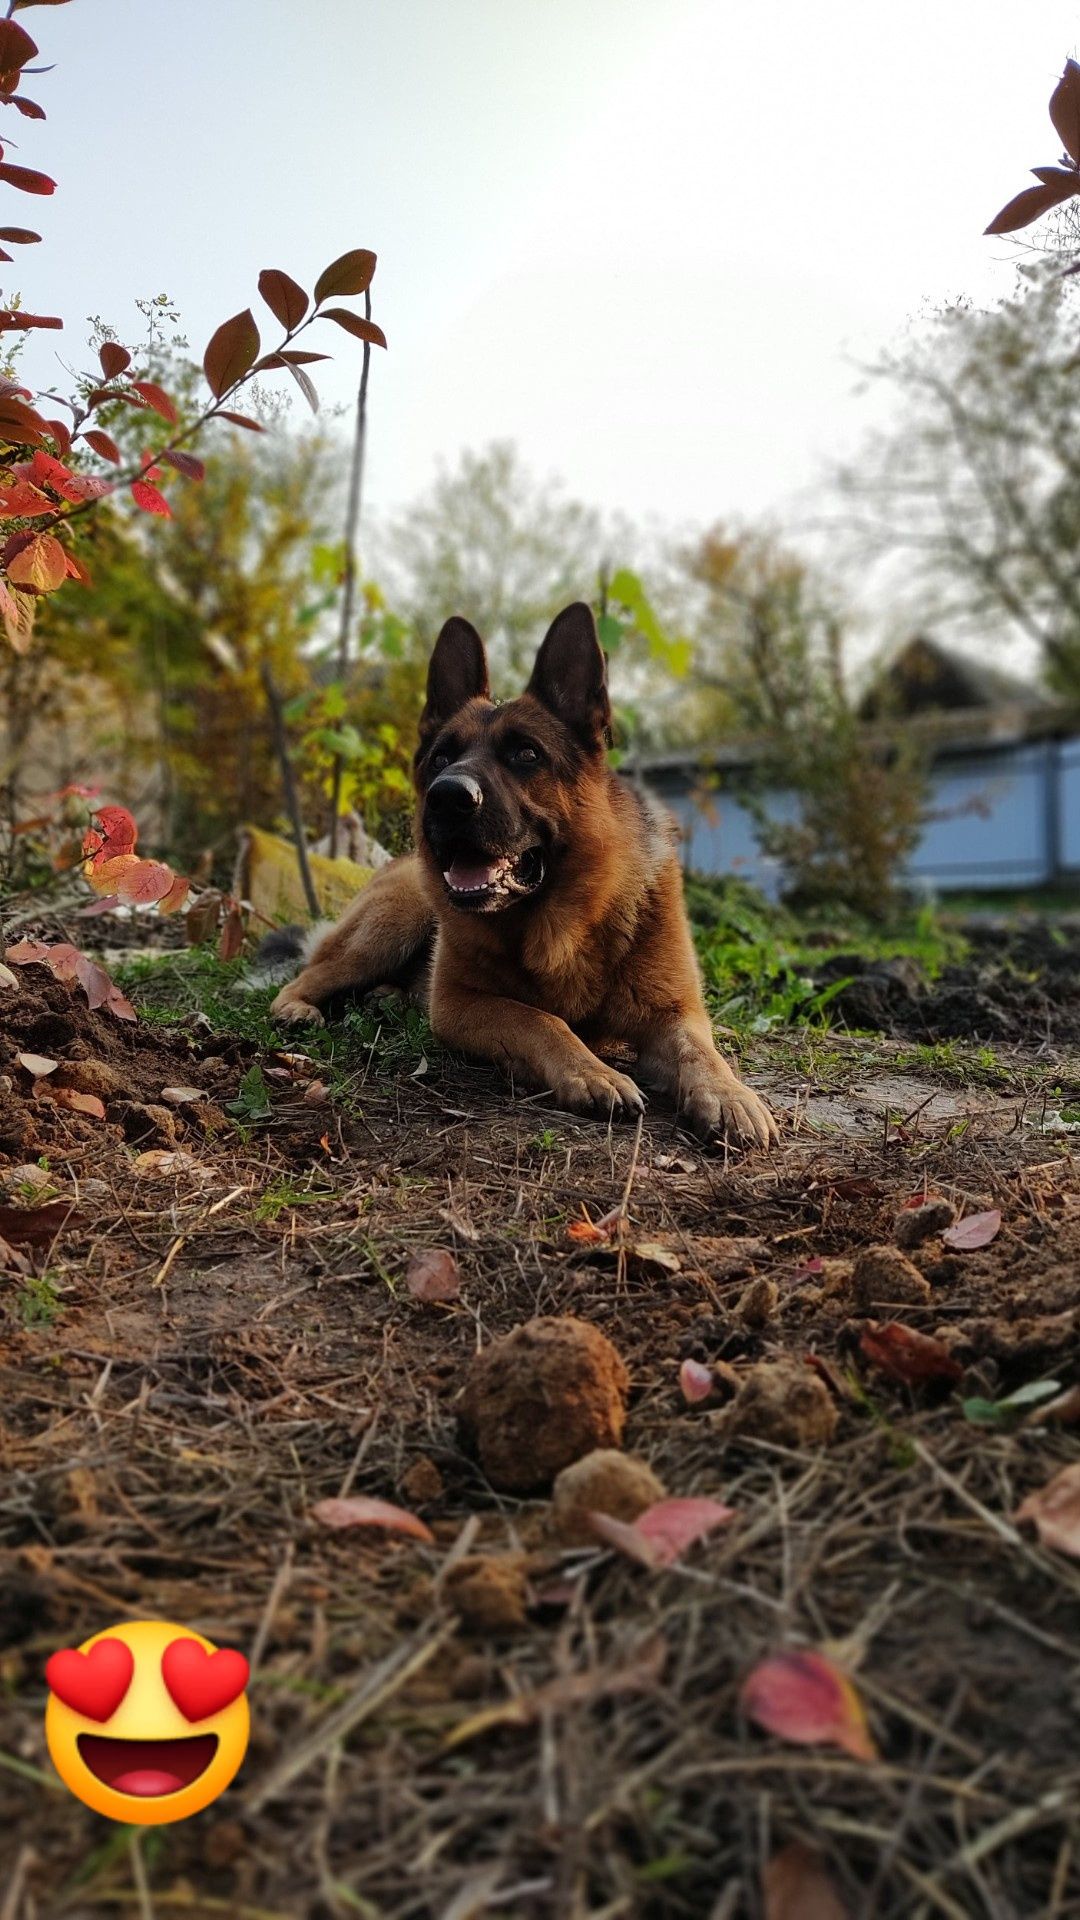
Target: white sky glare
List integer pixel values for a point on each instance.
(642, 238)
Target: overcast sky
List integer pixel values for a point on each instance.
(642, 238)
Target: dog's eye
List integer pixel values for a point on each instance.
(525, 756)
(439, 762)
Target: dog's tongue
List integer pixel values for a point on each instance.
(467, 878)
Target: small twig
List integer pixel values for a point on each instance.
(138, 1874)
(288, 781)
(348, 587)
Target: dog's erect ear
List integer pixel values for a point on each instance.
(458, 671)
(570, 675)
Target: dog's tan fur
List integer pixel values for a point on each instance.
(601, 954)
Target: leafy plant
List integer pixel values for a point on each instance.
(253, 1100)
(41, 494)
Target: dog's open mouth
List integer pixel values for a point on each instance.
(147, 1767)
(486, 884)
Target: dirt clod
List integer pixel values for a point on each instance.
(916, 1224)
(604, 1481)
(785, 1403)
(758, 1303)
(422, 1482)
(884, 1277)
(488, 1591)
(552, 1390)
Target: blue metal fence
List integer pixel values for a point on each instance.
(1004, 816)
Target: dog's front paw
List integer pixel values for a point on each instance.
(291, 1006)
(724, 1108)
(594, 1088)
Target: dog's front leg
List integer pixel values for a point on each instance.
(679, 1055)
(534, 1046)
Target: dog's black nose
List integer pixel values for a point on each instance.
(455, 795)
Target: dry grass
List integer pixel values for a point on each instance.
(226, 1352)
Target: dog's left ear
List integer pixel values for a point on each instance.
(570, 675)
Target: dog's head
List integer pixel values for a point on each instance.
(498, 785)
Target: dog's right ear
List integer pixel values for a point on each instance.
(458, 672)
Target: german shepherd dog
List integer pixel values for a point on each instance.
(542, 915)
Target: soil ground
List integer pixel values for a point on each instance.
(194, 1353)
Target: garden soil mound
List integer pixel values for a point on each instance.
(1019, 985)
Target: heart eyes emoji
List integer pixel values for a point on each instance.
(94, 1683)
(203, 1683)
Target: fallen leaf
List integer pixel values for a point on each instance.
(1008, 1411)
(661, 1535)
(695, 1381)
(158, 1161)
(800, 1695)
(674, 1163)
(38, 1226)
(653, 1254)
(1054, 1510)
(359, 1511)
(1062, 1412)
(36, 1064)
(7, 978)
(78, 1102)
(182, 1096)
(315, 1094)
(640, 1673)
(797, 1886)
(906, 1355)
(974, 1230)
(460, 1223)
(11, 1260)
(433, 1275)
(591, 1233)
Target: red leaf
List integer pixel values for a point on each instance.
(357, 1511)
(41, 565)
(78, 1102)
(1054, 1511)
(119, 1005)
(660, 1535)
(800, 1695)
(230, 352)
(1033, 202)
(115, 832)
(17, 611)
(351, 273)
(176, 898)
(20, 424)
(19, 236)
(907, 1356)
(50, 472)
(241, 420)
(299, 357)
(26, 179)
(796, 1886)
(149, 499)
(102, 444)
(305, 385)
(1065, 109)
(19, 322)
(157, 398)
(145, 882)
(974, 1230)
(185, 463)
(37, 1226)
(286, 300)
(16, 46)
(695, 1381)
(61, 433)
(114, 359)
(24, 500)
(29, 108)
(232, 935)
(433, 1275)
(27, 953)
(355, 323)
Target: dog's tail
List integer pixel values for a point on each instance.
(281, 951)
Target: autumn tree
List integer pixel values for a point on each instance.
(489, 541)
